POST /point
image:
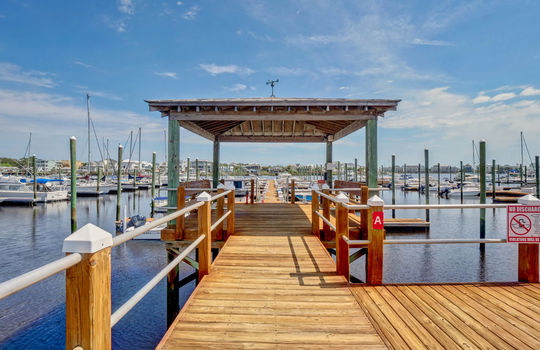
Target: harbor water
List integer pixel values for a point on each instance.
(32, 236)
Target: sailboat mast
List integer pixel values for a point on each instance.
(88, 113)
(139, 150)
(473, 161)
(521, 142)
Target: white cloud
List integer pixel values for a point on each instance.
(426, 42)
(126, 6)
(83, 64)
(344, 87)
(191, 13)
(481, 98)
(503, 97)
(237, 87)
(530, 91)
(215, 69)
(13, 73)
(167, 74)
(83, 90)
(179, 3)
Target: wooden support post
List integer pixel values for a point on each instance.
(197, 172)
(342, 230)
(73, 195)
(88, 290)
(375, 247)
(215, 165)
(230, 218)
(426, 179)
(419, 178)
(355, 169)
(220, 210)
(204, 224)
(153, 191)
(180, 204)
(188, 169)
(371, 153)
(293, 196)
(326, 213)
(482, 172)
(364, 195)
(329, 179)
(34, 177)
(119, 182)
(438, 178)
(528, 262)
(405, 175)
(252, 194)
(493, 187)
(461, 177)
(339, 170)
(393, 184)
(315, 220)
(173, 288)
(173, 170)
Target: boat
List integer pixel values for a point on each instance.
(129, 224)
(21, 192)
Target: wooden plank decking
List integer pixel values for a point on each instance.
(274, 285)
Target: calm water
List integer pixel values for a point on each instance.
(31, 237)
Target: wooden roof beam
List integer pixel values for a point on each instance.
(196, 129)
(269, 116)
(229, 138)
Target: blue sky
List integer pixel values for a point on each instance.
(465, 70)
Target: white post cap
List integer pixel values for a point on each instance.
(342, 198)
(314, 186)
(529, 200)
(325, 186)
(204, 197)
(221, 186)
(230, 186)
(375, 201)
(88, 239)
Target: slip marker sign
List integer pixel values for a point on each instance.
(523, 223)
(378, 220)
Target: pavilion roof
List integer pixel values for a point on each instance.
(272, 119)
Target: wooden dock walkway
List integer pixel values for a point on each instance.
(274, 285)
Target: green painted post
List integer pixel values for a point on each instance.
(482, 192)
(461, 180)
(34, 175)
(73, 168)
(493, 189)
(119, 182)
(215, 165)
(329, 179)
(537, 173)
(153, 182)
(355, 169)
(173, 167)
(98, 178)
(188, 170)
(393, 184)
(339, 170)
(426, 178)
(371, 153)
(197, 173)
(346, 172)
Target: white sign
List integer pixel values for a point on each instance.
(331, 166)
(523, 223)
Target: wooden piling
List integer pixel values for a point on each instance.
(197, 173)
(252, 194)
(426, 179)
(438, 178)
(315, 220)
(220, 210)
(205, 247)
(482, 192)
(73, 168)
(119, 182)
(355, 169)
(419, 179)
(493, 187)
(374, 274)
(404, 175)
(173, 288)
(230, 218)
(180, 221)
(339, 170)
(329, 175)
(342, 249)
(153, 192)
(393, 185)
(34, 176)
(326, 214)
(528, 262)
(188, 169)
(364, 196)
(293, 196)
(461, 181)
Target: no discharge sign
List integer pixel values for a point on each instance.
(523, 224)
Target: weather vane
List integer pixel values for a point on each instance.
(272, 83)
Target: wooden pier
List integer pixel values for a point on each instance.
(274, 285)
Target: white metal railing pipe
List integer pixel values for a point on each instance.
(216, 224)
(371, 189)
(444, 241)
(32, 277)
(356, 206)
(217, 196)
(443, 206)
(193, 189)
(139, 231)
(326, 220)
(355, 241)
(128, 305)
(324, 195)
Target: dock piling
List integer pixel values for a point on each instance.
(482, 192)
(374, 259)
(342, 230)
(355, 169)
(34, 176)
(197, 169)
(393, 184)
(461, 180)
(153, 192)
(119, 182)
(188, 170)
(315, 220)
(419, 179)
(493, 188)
(293, 196)
(73, 195)
(426, 179)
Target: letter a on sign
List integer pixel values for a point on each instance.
(378, 221)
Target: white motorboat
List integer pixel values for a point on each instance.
(22, 191)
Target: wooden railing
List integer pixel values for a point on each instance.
(528, 254)
(88, 272)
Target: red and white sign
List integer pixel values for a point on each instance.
(378, 220)
(523, 223)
